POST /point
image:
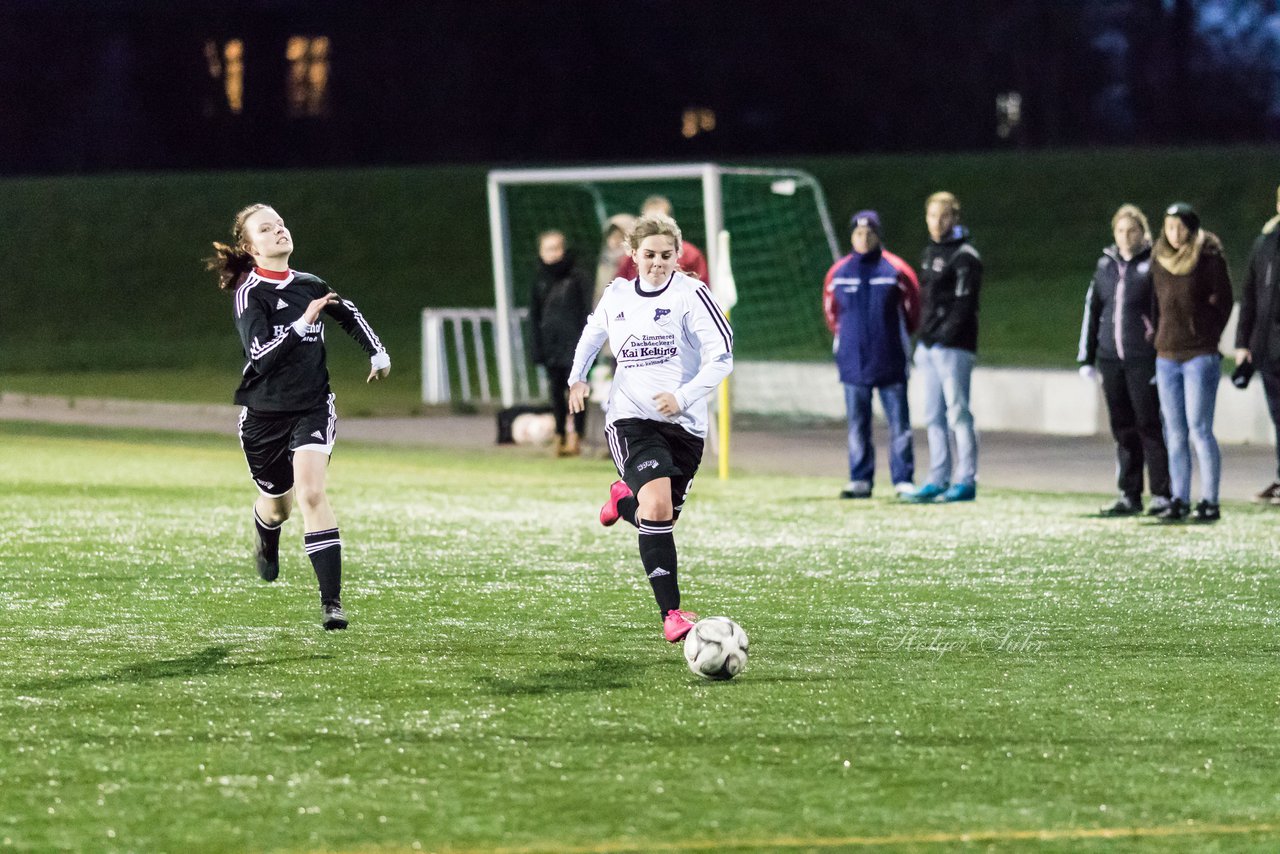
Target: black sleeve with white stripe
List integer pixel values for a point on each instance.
(262, 345)
(349, 318)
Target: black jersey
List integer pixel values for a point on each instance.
(285, 371)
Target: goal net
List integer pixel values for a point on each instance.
(782, 245)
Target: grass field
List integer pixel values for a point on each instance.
(1007, 675)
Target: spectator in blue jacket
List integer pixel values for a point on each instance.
(871, 300)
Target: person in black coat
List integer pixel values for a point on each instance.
(1116, 342)
(950, 282)
(1258, 331)
(558, 309)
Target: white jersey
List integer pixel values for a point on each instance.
(674, 338)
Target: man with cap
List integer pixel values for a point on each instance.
(871, 300)
(950, 281)
(1258, 331)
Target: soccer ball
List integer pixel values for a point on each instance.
(716, 648)
(532, 429)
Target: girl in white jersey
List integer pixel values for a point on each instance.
(674, 346)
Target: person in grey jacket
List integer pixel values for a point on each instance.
(1116, 342)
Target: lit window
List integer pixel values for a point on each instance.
(1008, 113)
(233, 59)
(227, 64)
(308, 75)
(697, 120)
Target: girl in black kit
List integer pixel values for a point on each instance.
(288, 424)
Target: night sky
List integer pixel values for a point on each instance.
(132, 84)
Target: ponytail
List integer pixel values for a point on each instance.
(230, 261)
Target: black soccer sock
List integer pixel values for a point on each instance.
(270, 536)
(628, 508)
(658, 554)
(325, 550)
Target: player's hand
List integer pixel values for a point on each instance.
(1243, 355)
(667, 403)
(578, 394)
(380, 366)
(312, 314)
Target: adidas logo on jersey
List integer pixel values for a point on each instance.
(318, 435)
(281, 304)
(619, 317)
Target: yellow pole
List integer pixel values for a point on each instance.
(723, 424)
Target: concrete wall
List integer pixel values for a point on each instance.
(1014, 399)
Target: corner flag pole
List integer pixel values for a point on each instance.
(725, 290)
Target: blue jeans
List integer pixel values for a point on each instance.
(1188, 393)
(862, 453)
(944, 373)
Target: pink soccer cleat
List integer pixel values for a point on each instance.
(609, 514)
(677, 624)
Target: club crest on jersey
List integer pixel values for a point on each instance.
(660, 313)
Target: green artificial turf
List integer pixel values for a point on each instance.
(1001, 669)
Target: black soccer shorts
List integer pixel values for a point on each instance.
(645, 450)
(270, 438)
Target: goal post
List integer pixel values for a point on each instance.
(783, 243)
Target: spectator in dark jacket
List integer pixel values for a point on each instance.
(1258, 330)
(871, 300)
(950, 280)
(1193, 301)
(558, 310)
(1115, 338)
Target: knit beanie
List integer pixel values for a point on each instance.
(1186, 213)
(870, 219)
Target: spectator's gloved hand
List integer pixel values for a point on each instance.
(1088, 372)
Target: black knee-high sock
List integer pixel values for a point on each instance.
(325, 550)
(658, 553)
(270, 536)
(628, 508)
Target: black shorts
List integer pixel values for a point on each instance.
(645, 450)
(270, 438)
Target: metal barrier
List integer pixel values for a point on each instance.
(469, 336)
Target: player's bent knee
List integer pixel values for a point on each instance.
(655, 508)
(310, 497)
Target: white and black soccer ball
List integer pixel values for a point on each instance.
(716, 648)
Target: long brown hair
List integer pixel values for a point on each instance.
(231, 262)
